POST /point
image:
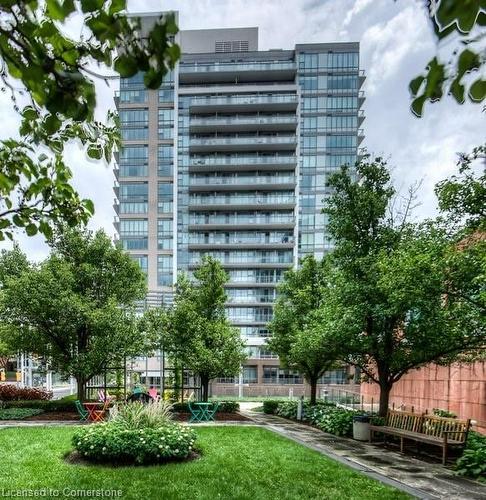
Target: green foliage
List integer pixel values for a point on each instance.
(76, 307)
(300, 335)
(56, 405)
(472, 463)
(55, 73)
(18, 413)
(138, 415)
(270, 406)
(199, 336)
(463, 197)
(336, 421)
(443, 413)
(389, 279)
(117, 444)
(455, 20)
(324, 415)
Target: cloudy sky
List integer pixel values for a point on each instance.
(396, 43)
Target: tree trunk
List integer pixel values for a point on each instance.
(313, 391)
(204, 388)
(81, 383)
(385, 389)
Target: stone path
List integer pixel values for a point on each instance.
(416, 477)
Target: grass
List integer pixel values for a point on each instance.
(236, 463)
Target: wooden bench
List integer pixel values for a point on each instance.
(423, 428)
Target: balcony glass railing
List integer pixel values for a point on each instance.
(244, 99)
(243, 160)
(230, 67)
(241, 200)
(254, 258)
(238, 141)
(243, 120)
(240, 238)
(242, 219)
(199, 180)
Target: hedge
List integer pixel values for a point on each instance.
(270, 406)
(53, 405)
(224, 407)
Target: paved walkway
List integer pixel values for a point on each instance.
(416, 477)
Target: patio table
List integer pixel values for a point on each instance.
(91, 408)
(201, 412)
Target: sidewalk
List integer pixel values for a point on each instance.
(416, 477)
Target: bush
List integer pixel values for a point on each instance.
(137, 415)
(110, 442)
(18, 413)
(224, 407)
(443, 413)
(338, 421)
(270, 406)
(54, 405)
(10, 392)
(472, 463)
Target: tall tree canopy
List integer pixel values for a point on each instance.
(199, 335)
(50, 77)
(299, 334)
(387, 304)
(459, 24)
(76, 307)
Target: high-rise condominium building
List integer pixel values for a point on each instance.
(229, 158)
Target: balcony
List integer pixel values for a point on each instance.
(243, 122)
(242, 202)
(251, 71)
(241, 182)
(253, 102)
(215, 163)
(242, 143)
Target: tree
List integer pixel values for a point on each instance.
(40, 63)
(298, 336)
(458, 21)
(463, 197)
(76, 307)
(199, 335)
(390, 280)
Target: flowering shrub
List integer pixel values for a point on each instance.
(110, 442)
(10, 392)
(324, 415)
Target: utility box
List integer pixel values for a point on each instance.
(361, 427)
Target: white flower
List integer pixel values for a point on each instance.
(91, 447)
(176, 450)
(160, 446)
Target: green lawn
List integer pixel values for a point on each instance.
(237, 463)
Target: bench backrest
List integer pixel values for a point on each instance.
(403, 420)
(436, 426)
(430, 425)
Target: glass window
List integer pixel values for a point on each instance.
(164, 234)
(134, 161)
(165, 197)
(166, 123)
(134, 124)
(164, 270)
(165, 159)
(133, 96)
(166, 95)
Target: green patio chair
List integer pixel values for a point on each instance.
(195, 413)
(82, 412)
(213, 410)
